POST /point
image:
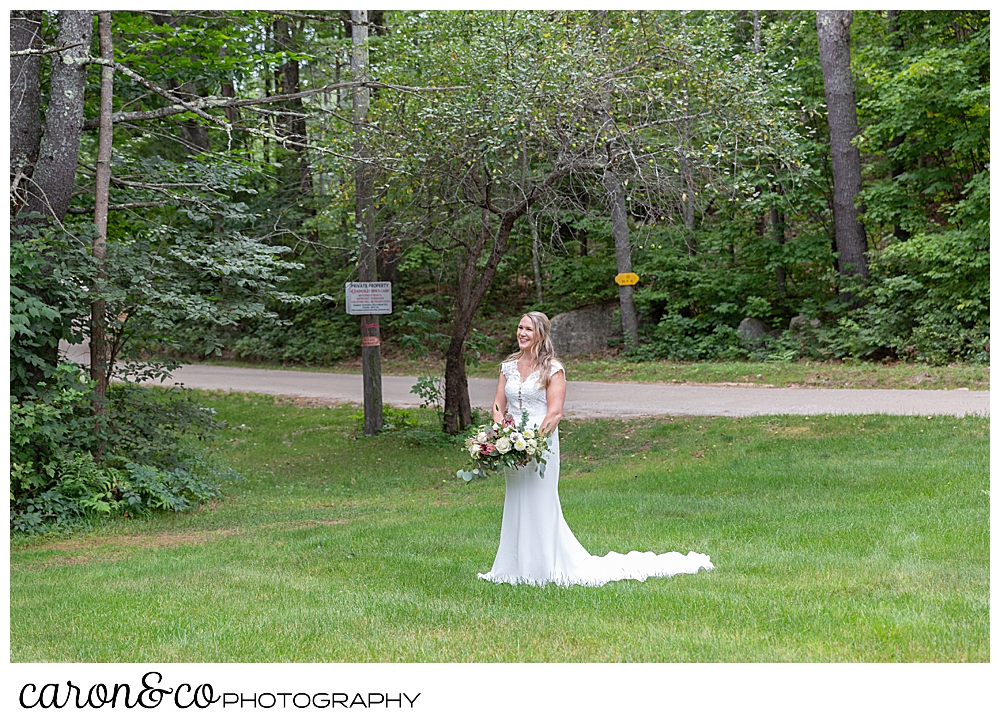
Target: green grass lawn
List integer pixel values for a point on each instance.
(610, 368)
(834, 539)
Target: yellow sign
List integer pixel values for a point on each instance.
(627, 279)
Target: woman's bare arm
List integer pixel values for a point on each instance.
(555, 395)
(500, 400)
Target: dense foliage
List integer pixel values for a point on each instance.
(755, 237)
(154, 459)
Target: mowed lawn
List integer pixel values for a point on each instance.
(834, 539)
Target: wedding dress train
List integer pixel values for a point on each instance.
(536, 544)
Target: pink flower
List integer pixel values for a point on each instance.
(488, 448)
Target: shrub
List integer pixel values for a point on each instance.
(153, 462)
(46, 428)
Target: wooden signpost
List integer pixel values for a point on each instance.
(368, 299)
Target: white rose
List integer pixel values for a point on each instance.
(503, 445)
(474, 450)
(481, 437)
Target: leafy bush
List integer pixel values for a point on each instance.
(177, 489)
(47, 302)
(576, 281)
(691, 339)
(47, 428)
(430, 389)
(154, 426)
(317, 334)
(154, 461)
(83, 491)
(929, 296)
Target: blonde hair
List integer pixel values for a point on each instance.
(541, 347)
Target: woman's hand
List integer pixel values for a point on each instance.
(555, 395)
(500, 400)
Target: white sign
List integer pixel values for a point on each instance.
(368, 297)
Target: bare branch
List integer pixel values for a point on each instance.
(213, 101)
(121, 206)
(119, 181)
(459, 242)
(43, 51)
(160, 91)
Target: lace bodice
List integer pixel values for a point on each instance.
(526, 391)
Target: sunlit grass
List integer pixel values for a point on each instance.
(834, 539)
(863, 375)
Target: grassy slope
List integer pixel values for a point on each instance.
(835, 539)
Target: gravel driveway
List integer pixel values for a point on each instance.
(598, 399)
(610, 399)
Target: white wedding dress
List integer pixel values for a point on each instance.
(536, 544)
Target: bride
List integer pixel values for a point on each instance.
(536, 544)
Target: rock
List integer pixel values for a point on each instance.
(800, 322)
(752, 331)
(586, 330)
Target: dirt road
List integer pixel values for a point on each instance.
(598, 399)
(610, 399)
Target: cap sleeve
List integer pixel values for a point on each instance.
(557, 367)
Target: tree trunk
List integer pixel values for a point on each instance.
(457, 406)
(776, 217)
(834, 30)
(99, 367)
(619, 216)
(897, 167)
(473, 282)
(286, 36)
(623, 257)
(536, 252)
(51, 186)
(778, 234)
(25, 101)
(55, 170)
(687, 176)
(371, 360)
(193, 134)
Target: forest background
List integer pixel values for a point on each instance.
(485, 163)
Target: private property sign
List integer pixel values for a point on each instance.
(368, 297)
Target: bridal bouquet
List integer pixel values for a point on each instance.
(504, 444)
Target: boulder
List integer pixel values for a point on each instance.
(800, 322)
(586, 330)
(752, 331)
